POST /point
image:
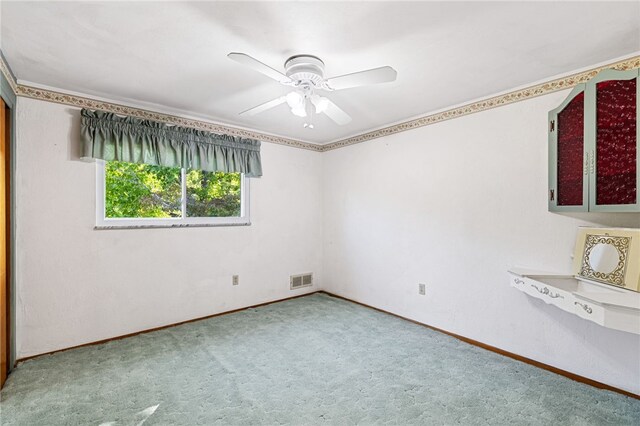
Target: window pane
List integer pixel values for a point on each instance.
(142, 190)
(213, 194)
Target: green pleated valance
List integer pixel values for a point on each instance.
(107, 136)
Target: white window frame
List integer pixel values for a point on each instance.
(102, 222)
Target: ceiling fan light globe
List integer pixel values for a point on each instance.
(300, 111)
(321, 105)
(295, 100)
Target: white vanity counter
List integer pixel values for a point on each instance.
(611, 255)
(605, 305)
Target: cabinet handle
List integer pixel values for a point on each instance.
(592, 166)
(586, 163)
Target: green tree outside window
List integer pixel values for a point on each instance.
(147, 191)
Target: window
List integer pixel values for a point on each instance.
(131, 194)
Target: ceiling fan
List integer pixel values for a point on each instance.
(305, 74)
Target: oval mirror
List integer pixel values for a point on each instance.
(604, 258)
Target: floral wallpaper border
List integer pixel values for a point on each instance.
(483, 105)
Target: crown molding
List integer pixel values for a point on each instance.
(86, 102)
(8, 75)
(51, 95)
(540, 89)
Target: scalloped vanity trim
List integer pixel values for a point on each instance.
(483, 105)
(473, 107)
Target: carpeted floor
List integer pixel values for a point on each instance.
(312, 360)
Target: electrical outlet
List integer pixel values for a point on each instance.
(235, 280)
(422, 289)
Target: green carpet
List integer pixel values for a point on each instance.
(312, 360)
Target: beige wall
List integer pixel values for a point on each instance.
(77, 285)
(454, 205)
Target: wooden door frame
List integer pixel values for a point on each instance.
(9, 97)
(5, 292)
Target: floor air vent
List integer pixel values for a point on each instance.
(303, 280)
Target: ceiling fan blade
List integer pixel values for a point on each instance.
(247, 60)
(363, 78)
(265, 106)
(332, 110)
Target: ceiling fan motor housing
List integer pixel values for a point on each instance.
(305, 70)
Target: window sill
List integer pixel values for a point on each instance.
(175, 225)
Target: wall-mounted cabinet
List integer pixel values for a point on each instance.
(593, 146)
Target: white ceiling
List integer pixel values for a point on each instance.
(174, 54)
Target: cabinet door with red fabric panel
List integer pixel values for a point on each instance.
(611, 134)
(568, 181)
